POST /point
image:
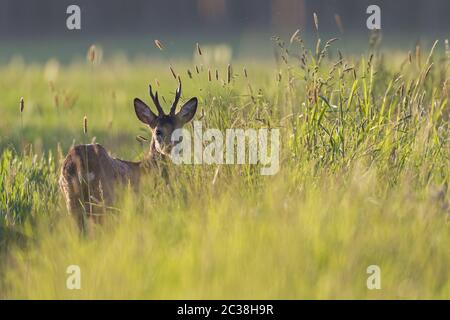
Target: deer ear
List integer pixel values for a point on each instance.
(187, 111)
(144, 113)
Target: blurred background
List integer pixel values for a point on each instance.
(36, 30)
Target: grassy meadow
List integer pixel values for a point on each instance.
(363, 180)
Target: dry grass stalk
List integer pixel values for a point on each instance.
(22, 104)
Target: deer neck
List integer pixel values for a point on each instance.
(153, 158)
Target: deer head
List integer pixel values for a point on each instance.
(163, 125)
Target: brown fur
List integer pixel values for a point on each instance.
(88, 179)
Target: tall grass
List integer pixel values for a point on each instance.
(29, 193)
(363, 181)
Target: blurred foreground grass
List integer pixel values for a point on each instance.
(363, 180)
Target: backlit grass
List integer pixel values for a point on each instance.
(363, 180)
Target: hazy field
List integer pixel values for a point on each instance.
(363, 180)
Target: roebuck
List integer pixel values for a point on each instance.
(89, 176)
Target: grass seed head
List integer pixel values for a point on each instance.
(92, 53)
(22, 104)
(318, 47)
(173, 73)
(447, 49)
(294, 36)
(159, 45)
(339, 23)
(418, 54)
(85, 125)
(141, 139)
(56, 100)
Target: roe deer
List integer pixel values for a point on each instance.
(89, 175)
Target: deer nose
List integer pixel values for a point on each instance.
(158, 132)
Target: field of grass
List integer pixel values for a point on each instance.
(363, 180)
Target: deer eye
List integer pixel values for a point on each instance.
(158, 132)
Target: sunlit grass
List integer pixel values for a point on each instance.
(363, 181)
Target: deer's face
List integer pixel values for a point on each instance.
(162, 134)
(162, 126)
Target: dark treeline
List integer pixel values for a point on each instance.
(25, 17)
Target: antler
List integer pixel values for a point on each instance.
(158, 105)
(177, 98)
(156, 100)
